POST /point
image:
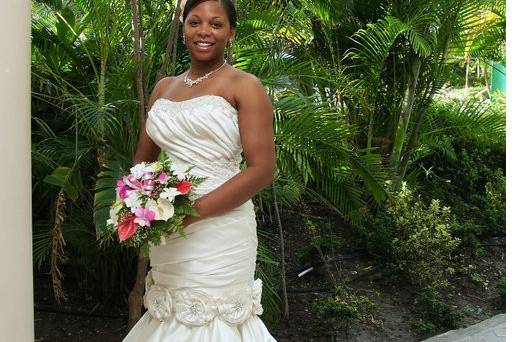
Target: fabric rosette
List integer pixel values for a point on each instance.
(159, 302)
(194, 307)
(237, 307)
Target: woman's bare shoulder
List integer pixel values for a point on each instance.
(246, 85)
(242, 78)
(166, 82)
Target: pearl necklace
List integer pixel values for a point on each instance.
(191, 82)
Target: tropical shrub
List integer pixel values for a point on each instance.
(414, 239)
(344, 306)
(461, 160)
(435, 312)
(501, 290)
(322, 240)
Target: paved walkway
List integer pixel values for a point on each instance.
(490, 330)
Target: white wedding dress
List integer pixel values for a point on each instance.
(201, 287)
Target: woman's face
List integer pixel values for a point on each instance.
(207, 31)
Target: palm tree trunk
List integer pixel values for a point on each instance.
(486, 78)
(282, 253)
(142, 40)
(369, 112)
(467, 77)
(135, 300)
(57, 247)
(230, 50)
(172, 44)
(403, 122)
(424, 102)
(138, 58)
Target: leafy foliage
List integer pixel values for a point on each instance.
(436, 313)
(345, 306)
(415, 240)
(464, 166)
(322, 239)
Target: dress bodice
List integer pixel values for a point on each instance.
(202, 131)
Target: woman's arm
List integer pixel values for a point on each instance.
(256, 131)
(147, 150)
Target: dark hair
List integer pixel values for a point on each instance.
(228, 5)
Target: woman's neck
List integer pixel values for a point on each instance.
(200, 68)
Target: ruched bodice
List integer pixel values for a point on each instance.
(201, 287)
(202, 131)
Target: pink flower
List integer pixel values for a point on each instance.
(126, 227)
(163, 177)
(144, 216)
(144, 186)
(184, 186)
(124, 192)
(122, 189)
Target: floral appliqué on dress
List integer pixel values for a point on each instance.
(194, 307)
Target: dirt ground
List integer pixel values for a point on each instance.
(395, 307)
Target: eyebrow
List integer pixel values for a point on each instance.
(216, 17)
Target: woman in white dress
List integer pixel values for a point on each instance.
(201, 287)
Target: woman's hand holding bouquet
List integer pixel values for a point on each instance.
(151, 203)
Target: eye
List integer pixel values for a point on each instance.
(217, 24)
(193, 22)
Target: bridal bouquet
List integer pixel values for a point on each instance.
(151, 202)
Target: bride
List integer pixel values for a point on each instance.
(201, 287)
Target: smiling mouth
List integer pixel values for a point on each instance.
(204, 45)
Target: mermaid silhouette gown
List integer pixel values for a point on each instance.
(201, 287)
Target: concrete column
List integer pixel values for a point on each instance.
(16, 295)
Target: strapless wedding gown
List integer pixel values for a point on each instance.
(201, 287)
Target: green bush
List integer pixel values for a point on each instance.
(501, 289)
(321, 238)
(344, 307)
(495, 205)
(414, 239)
(464, 166)
(474, 186)
(435, 312)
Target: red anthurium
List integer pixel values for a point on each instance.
(184, 186)
(126, 226)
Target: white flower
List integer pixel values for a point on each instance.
(113, 212)
(133, 201)
(163, 208)
(138, 170)
(154, 167)
(180, 171)
(170, 193)
(159, 302)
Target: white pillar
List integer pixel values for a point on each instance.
(16, 295)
